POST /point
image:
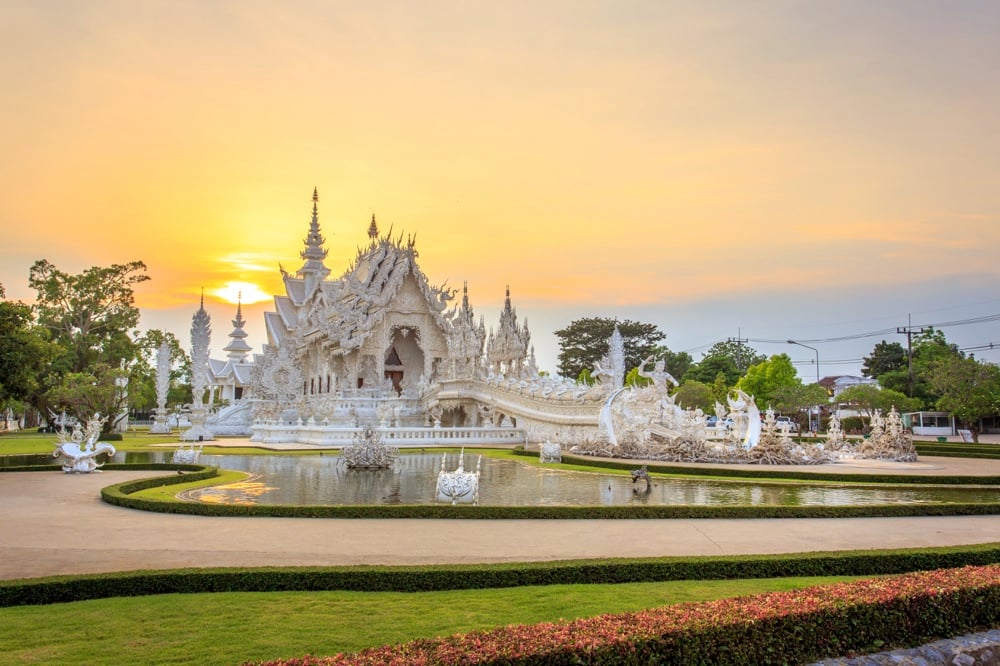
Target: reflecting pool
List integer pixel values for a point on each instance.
(319, 479)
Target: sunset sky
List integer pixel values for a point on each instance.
(808, 169)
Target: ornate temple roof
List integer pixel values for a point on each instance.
(345, 311)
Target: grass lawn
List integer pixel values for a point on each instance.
(231, 628)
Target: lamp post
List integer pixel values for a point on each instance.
(793, 342)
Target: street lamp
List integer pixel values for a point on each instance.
(793, 342)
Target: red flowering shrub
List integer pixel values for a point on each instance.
(781, 627)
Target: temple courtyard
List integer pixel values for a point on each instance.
(57, 524)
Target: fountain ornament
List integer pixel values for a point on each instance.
(368, 451)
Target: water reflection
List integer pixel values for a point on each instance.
(320, 480)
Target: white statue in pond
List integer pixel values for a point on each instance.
(458, 486)
(80, 449)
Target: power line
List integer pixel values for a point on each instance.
(887, 331)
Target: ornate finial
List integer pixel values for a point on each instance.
(202, 298)
(315, 194)
(373, 229)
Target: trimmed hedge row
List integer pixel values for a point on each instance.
(798, 626)
(457, 577)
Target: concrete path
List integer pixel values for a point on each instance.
(55, 523)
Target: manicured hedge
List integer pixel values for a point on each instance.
(453, 577)
(798, 627)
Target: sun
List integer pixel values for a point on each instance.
(242, 292)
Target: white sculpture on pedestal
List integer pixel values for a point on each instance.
(368, 451)
(201, 332)
(162, 386)
(80, 449)
(458, 486)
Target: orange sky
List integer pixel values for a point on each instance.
(774, 169)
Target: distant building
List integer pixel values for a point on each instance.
(836, 384)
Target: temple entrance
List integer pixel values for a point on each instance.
(404, 361)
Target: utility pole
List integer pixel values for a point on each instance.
(908, 331)
(739, 349)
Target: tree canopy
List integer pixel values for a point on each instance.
(968, 388)
(868, 398)
(585, 341)
(885, 357)
(763, 380)
(695, 395)
(91, 317)
(732, 358)
(25, 353)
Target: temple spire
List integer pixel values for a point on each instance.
(373, 229)
(238, 349)
(313, 271)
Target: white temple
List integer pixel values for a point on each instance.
(380, 346)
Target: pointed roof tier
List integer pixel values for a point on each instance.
(238, 349)
(313, 271)
(509, 346)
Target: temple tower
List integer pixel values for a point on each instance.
(238, 350)
(313, 271)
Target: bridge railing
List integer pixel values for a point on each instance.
(274, 432)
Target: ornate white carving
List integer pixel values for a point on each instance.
(187, 454)
(550, 452)
(80, 449)
(367, 451)
(201, 333)
(162, 387)
(458, 486)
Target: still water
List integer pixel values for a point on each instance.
(320, 480)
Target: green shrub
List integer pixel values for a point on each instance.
(798, 627)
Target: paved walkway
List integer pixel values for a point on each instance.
(55, 523)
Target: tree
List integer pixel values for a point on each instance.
(742, 354)
(101, 390)
(585, 341)
(885, 357)
(765, 378)
(142, 375)
(25, 353)
(797, 397)
(969, 389)
(868, 398)
(720, 388)
(90, 315)
(929, 349)
(730, 357)
(695, 395)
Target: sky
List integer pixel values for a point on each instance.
(820, 170)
